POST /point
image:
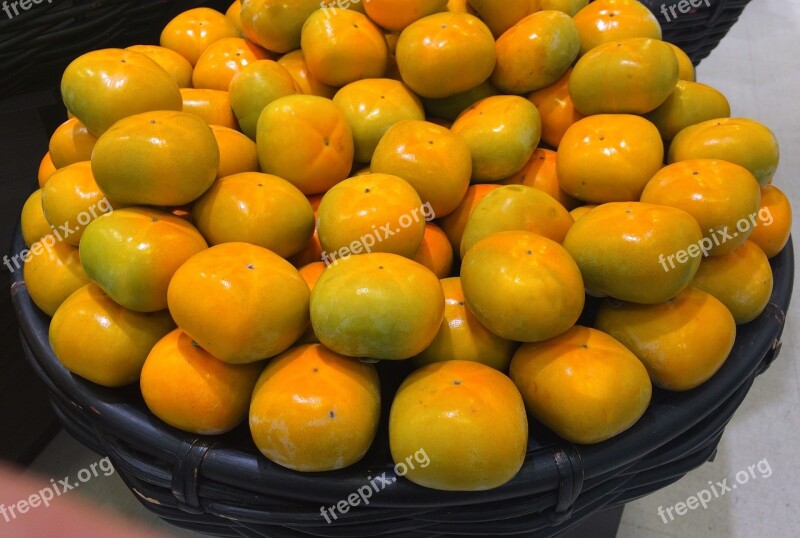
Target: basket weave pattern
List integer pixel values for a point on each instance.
(222, 486)
(699, 31)
(36, 45)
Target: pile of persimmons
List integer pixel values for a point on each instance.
(249, 216)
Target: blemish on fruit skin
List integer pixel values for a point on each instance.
(251, 266)
(331, 414)
(460, 303)
(457, 382)
(315, 370)
(153, 219)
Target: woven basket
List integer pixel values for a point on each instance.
(37, 44)
(223, 486)
(699, 31)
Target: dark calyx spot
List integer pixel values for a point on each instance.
(366, 190)
(154, 219)
(457, 382)
(326, 141)
(315, 370)
(251, 266)
(331, 414)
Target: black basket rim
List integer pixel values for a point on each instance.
(659, 425)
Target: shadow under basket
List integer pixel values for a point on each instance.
(223, 486)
